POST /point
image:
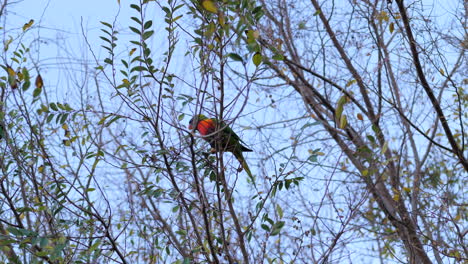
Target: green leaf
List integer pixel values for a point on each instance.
(278, 57)
(7, 242)
(257, 9)
(276, 228)
(148, 34)
(27, 79)
(265, 227)
(106, 24)
(279, 210)
(105, 39)
(53, 106)
(148, 24)
(63, 118)
(236, 57)
(135, 30)
(376, 129)
(137, 8)
(136, 20)
(49, 118)
(43, 241)
(37, 92)
(257, 58)
(166, 10)
(113, 120)
(371, 138)
(94, 246)
(138, 68)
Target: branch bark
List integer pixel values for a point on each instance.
(427, 88)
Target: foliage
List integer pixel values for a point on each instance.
(356, 112)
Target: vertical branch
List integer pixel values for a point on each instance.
(203, 203)
(422, 77)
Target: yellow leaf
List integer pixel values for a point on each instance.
(359, 117)
(132, 51)
(339, 108)
(396, 197)
(442, 71)
(210, 6)
(350, 82)
(343, 121)
(338, 112)
(28, 25)
(11, 72)
(20, 76)
(392, 27)
(383, 16)
(65, 126)
(221, 19)
(7, 43)
(365, 172)
(39, 82)
(407, 189)
(384, 147)
(12, 78)
(41, 169)
(343, 100)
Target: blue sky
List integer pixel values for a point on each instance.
(60, 23)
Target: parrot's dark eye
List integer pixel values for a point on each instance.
(192, 123)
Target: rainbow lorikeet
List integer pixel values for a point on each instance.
(226, 139)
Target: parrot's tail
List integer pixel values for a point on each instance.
(247, 169)
(244, 164)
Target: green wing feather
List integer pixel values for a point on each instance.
(231, 136)
(233, 143)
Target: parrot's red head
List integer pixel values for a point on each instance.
(193, 123)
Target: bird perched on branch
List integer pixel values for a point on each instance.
(221, 137)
